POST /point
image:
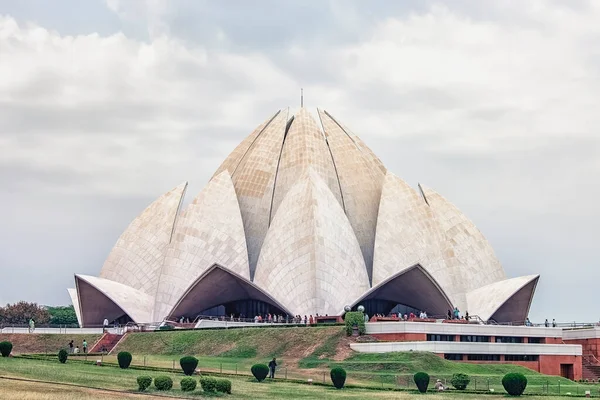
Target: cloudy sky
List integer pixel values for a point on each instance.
(107, 104)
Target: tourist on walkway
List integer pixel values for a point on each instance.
(31, 325)
(546, 324)
(553, 323)
(272, 366)
(310, 320)
(105, 325)
(71, 347)
(449, 316)
(84, 346)
(467, 315)
(456, 313)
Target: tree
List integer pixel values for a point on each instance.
(62, 315)
(22, 312)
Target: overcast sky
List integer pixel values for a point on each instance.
(107, 104)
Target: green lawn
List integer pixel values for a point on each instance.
(243, 387)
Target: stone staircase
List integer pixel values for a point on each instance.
(107, 343)
(591, 371)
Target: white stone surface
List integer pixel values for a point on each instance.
(469, 257)
(407, 234)
(311, 261)
(137, 258)
(209, 231)
(581, 333)
(135, 303)
(75, 301)
(461, 329)
(361, 181)
(304, 148)
(470, 348)
(254, 181)
(486, 300)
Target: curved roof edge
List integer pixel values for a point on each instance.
(135, 303)
(488, 300)
(75, 301)
(251, 290)
(414, 287)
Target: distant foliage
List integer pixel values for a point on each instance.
(338, 377)
(62, 315)
(188, 364)
(422, 381)
(223, 386)
(62, 356)
(124, 358)
(144, 382)
(188, 384)
(260, 371)
(355, 318)
(21, 312)
(209, 384)
(460, 381)
(5, 348)
(163, 382)
(514, 383)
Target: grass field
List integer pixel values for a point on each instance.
(45, 343)
(94, 378)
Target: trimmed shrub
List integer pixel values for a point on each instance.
(62, 356)
(209, 384)
(338, 377)
(188, 384)
(422, 381)
(223, 386)
(355, 318)
(5, 348)
(460, 381)
(514, 383)
(188, 364)
(144, 382)
(166, 328)
(124, 358)
(260, 371)
(163, 382)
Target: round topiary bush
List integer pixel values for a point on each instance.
(223, 386)
(338, 377)
(514, 383)
(188, 364)
(188, 384)
(260, 371)
(209, 384)
(460, 381)
(62, 356)
(144, 382)
(124, 358)
(5, 348)
(163, 382)
(422, 381)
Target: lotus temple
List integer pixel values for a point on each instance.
(301, 218)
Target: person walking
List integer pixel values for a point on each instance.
(546, 323)
(31, 325)
(105, 325)
(71, 346)
(272, 366)
(84, 346)
(553, 323)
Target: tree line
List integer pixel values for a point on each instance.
(21, 312)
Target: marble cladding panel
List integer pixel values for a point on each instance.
(233, 159)
(466, 251)
(209, 231)
(75, 300)
(486, 300)
(137, 304)
(304, 148)
(254, 181)
(407, 234)
(136, 258)
(311, 261)
(360, 180)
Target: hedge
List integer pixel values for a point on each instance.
(355, 318)
(144, 382)
(260, 371)
(5, 348)
(209, 384)
(163, 382)
(514, 383)
(124, 358)
(422, 381)
(460, 381)
(188, 364)
(188, 384)
(338, 377)
(62, 356)
(224, 386)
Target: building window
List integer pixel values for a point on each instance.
(453, 357)
(483, 357)
(440, 338)
(536, 340)
(519, 357)
(473, 338)
(509, 339)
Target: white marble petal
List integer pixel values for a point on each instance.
(75, 300)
